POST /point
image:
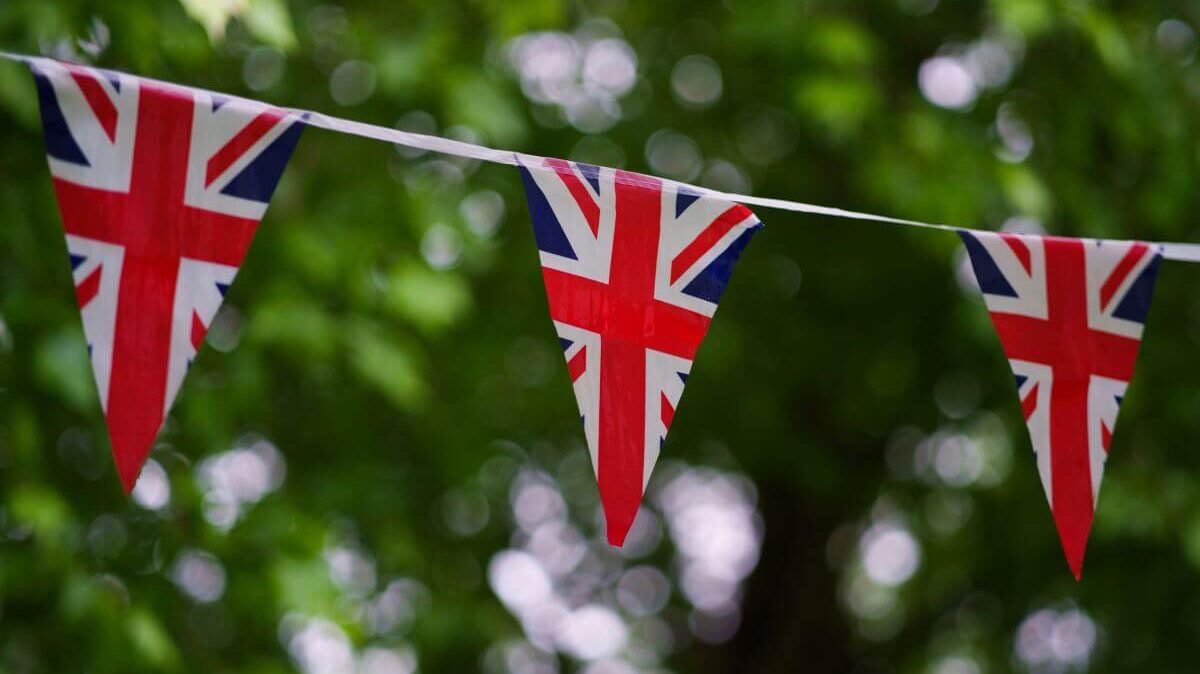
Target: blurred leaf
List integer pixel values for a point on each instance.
(267, 20)
(843, 43)
(1108, 40)
(839, 104)
(515, 18)
(303, 586)
(479, 103)
(41, 509)
(271, 22)
(387, 365)
(151, 640)
(431, 300)
(213, 14)
(1029, 18)
(297, 324)
(64, 367)
(17, 95)
(1028, 195)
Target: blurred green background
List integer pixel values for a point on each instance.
(376, 466)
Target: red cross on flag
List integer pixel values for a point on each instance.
(161, 189)
(1070, 314)
(634, 268)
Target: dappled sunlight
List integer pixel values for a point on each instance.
(574, 594)
(584, 73)
(1052, 641)
(237, 479)
(152, 490)
(200, 575)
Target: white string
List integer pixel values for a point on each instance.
(1184, 252)
(408, 139)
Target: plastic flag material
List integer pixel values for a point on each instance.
(634, 268)
(1070, 314)
(161, 189)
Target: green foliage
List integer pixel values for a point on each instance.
(384, 381)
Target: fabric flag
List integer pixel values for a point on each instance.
(161, 189)
(634, 268)
(1070, 314)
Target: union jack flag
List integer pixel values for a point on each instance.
(1070, 315)
(161, 189)
(634, 268)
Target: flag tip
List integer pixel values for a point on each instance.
(618, 531)
(128, 478)
(1073, 534)
(1074, 554)
(131, 450)
(618, 522)
(1076, 565)
(128, 470)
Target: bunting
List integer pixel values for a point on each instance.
(1070, 314)
(634, 268)
(161, 189)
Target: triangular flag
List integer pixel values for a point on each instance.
(161, 189)
(634, 267)
(1070, 314)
